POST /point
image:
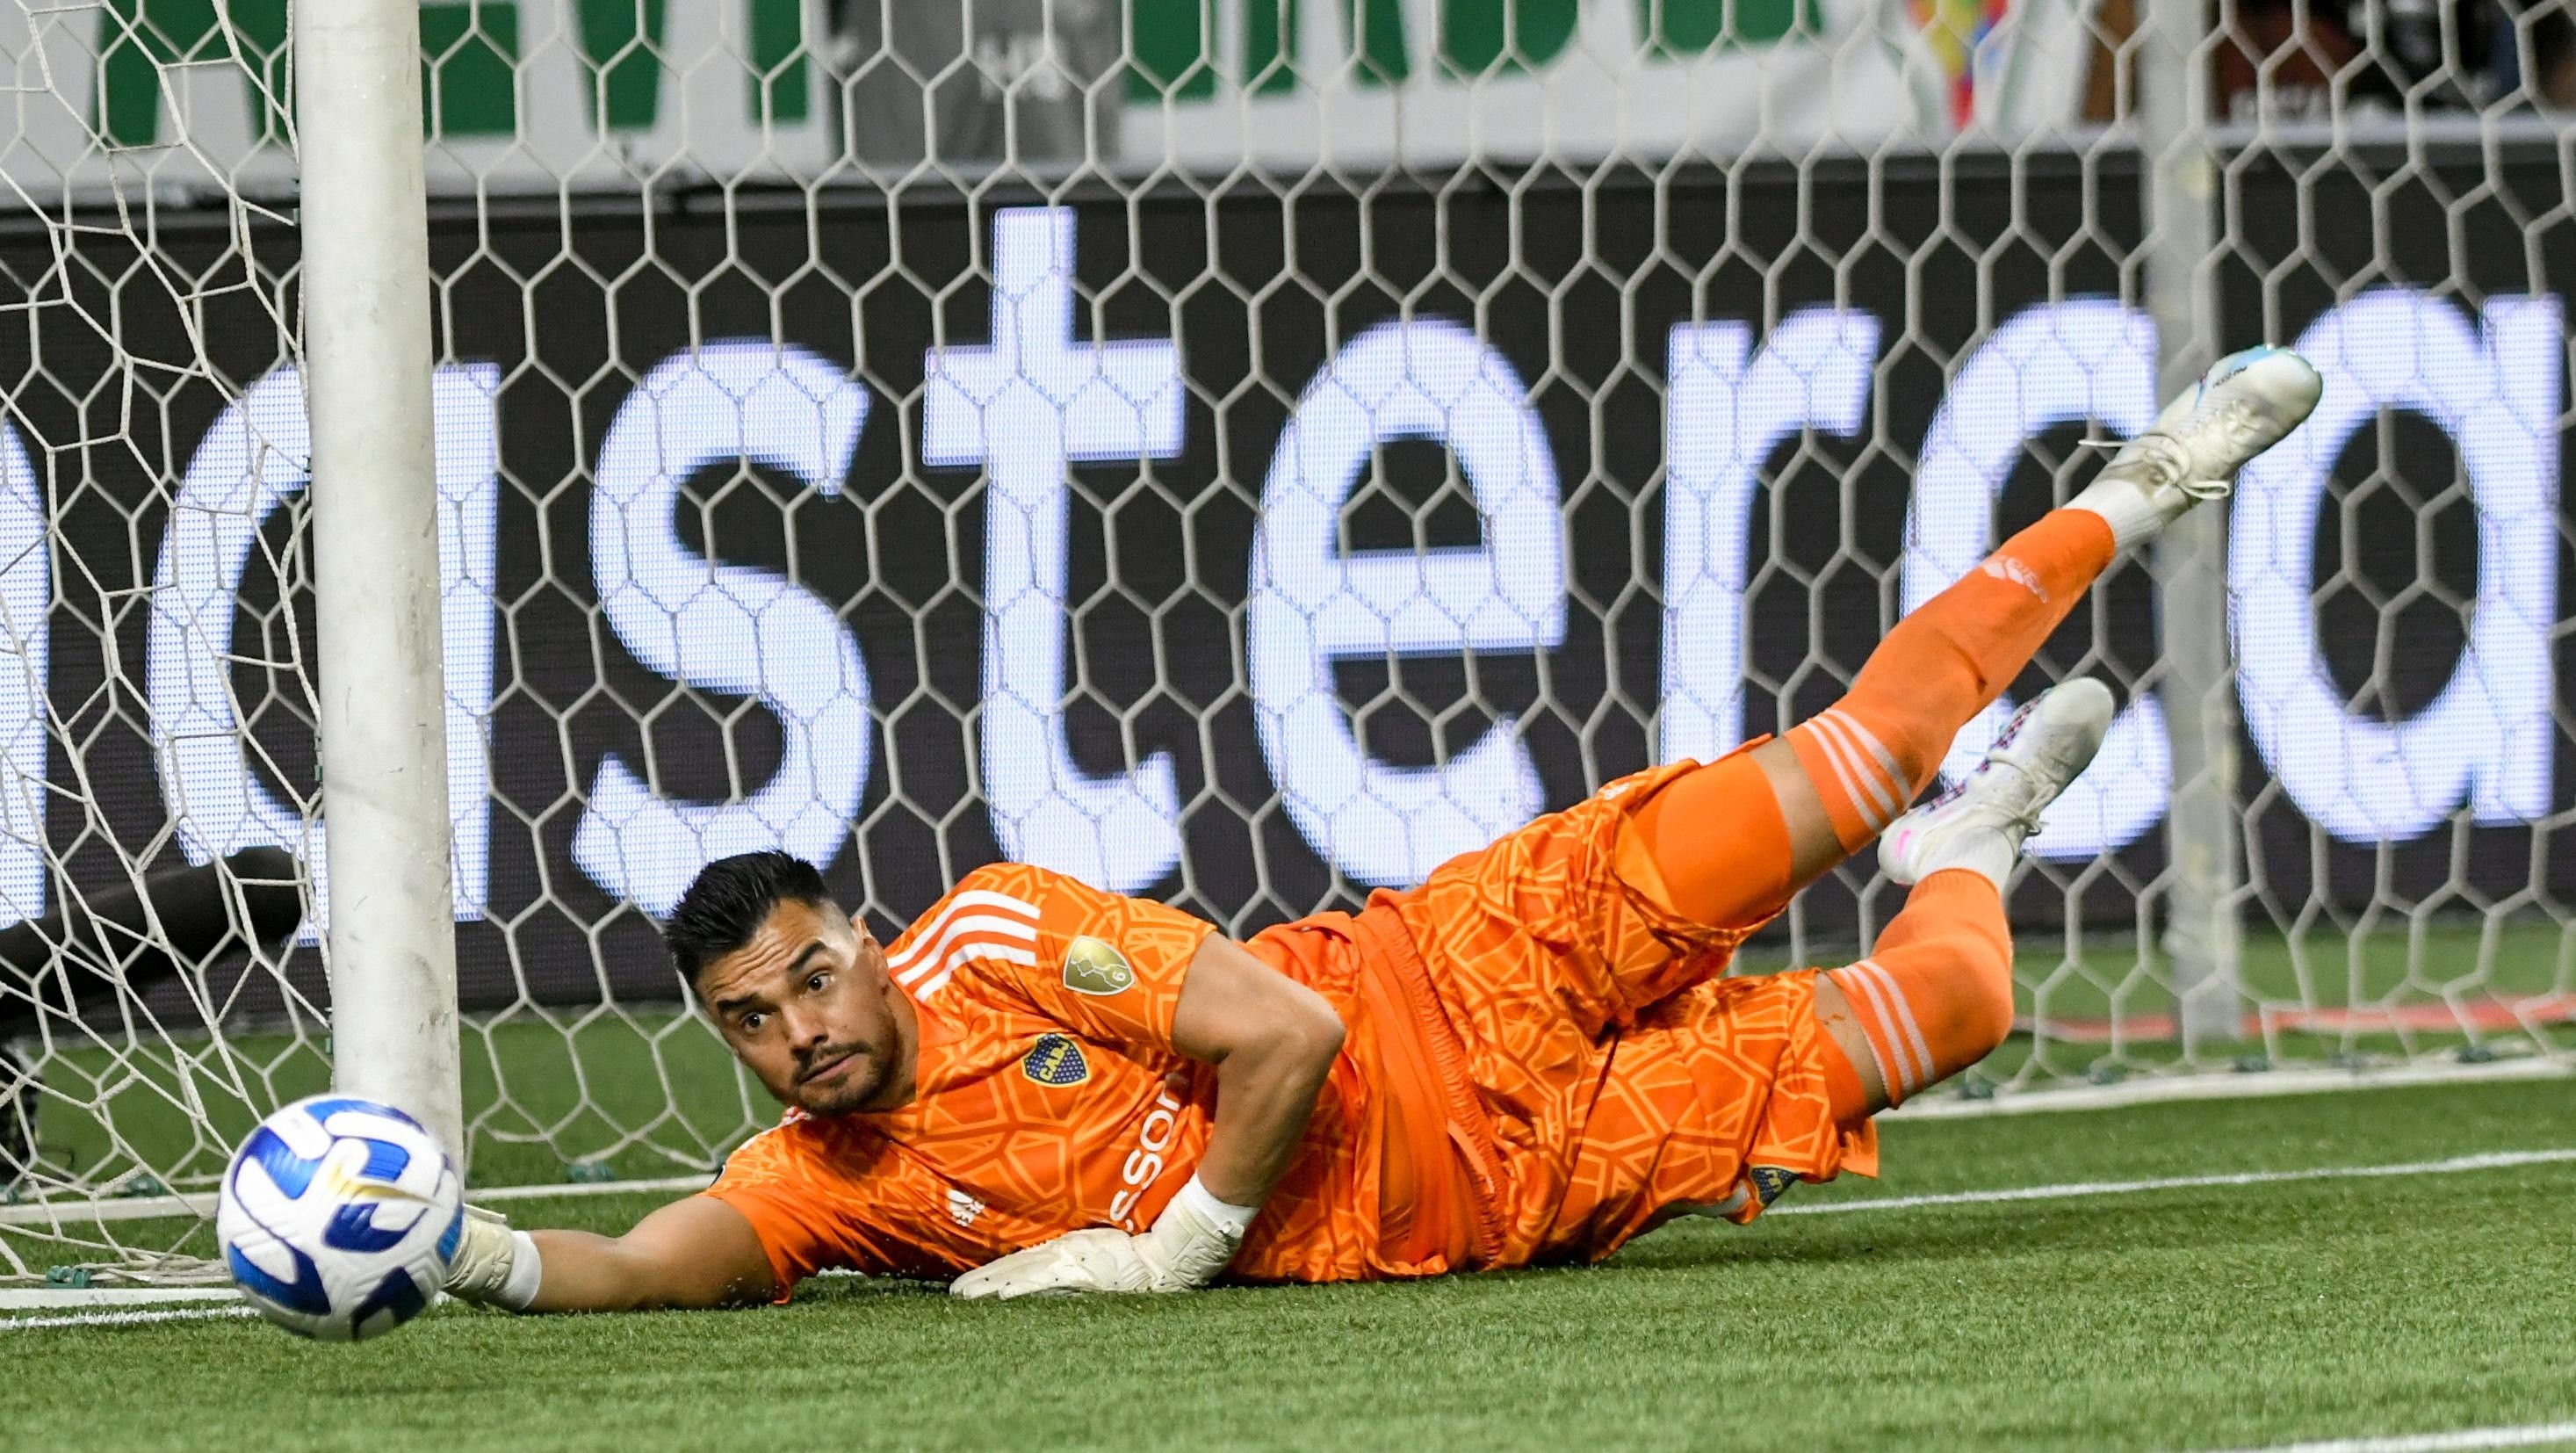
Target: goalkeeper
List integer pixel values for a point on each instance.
(1531, 1057)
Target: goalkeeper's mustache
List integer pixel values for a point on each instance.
(824, 1058)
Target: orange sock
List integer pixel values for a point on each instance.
(1937, 995)
(1872, 751)
(1719, 844)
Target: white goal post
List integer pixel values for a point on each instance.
(382, 730)
(1237, 451)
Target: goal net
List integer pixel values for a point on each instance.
(1245, 452)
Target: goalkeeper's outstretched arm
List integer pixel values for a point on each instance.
(1273, 1042)
(694, 1253)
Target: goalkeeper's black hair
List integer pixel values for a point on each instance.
(729, 900)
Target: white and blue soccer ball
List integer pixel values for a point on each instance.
(338, 1218)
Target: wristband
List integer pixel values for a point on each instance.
(1233, 1220)
(527, 1273)
(493, 1265)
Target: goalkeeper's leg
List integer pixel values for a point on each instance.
(1938, 995)
(1835, 781)
(1721, 1097)
(1839, 779)
(1594, 915)
(1934, 998)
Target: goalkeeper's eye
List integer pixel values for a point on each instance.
(816, 981)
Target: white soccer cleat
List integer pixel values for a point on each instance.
(1979, 824)
(2245, 404)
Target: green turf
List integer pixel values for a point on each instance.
(2386, 962)
(2176, 1319)
(644, 1094)
(647, 1093)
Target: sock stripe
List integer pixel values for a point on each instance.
(1863, 746)
(1870, 800)
(1894, 1065)
(1862, 994)
(1896, 774)
(1867, 794)
(1895, 1068)
(1905, 1015)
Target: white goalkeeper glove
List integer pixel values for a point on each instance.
(494, 1266)
(1191, 1242)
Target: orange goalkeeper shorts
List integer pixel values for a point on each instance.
(1614, 1077)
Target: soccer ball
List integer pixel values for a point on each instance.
(338, 1218)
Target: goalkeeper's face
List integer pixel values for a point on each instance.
(807, 1005)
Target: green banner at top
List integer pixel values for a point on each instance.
(1174, 51)
(471, 52)
(470, 58)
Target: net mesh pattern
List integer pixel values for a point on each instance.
(1245, 453)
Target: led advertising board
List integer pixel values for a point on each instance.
(1257, 551)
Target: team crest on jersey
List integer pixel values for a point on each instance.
(1055, 1060)
(1092, 966)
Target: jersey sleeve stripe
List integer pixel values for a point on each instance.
(968, 937)
(1005, 952)
(1000, 908)
(927, 952)
(993, 903)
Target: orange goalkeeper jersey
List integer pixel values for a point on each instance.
(1543, 1060)
(1050, 1099)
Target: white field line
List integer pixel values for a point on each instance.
(121, 1319)
(2073, 1190)
(2232, 1085)
(2146, 1090)
(76, 1212)
(2067, 1191)
(591, 1188)
(49, 1298)
(2529, 1435)
(202, 1204)
(2493, 1160)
